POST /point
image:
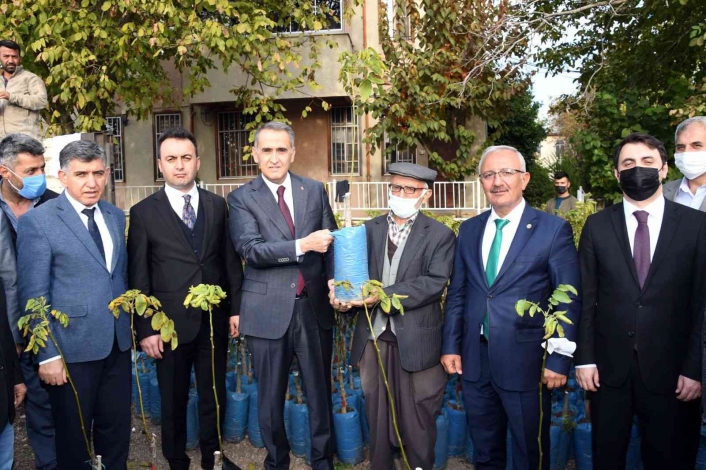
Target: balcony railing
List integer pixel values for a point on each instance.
(460, 199)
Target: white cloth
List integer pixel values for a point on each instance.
(288, 199)
(105, 238)
(176, 199)
(509, 232)
(689, 199)
(560, 346)
(654, 224)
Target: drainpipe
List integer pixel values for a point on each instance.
(367, 118)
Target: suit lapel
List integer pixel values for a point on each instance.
(300, 198)
(264, 198)
(523, 234)
(617, 218)
(70, 217)
(208, 214)
(109, 218)
(670, 224)
(478, 266)
(414, 240)
(165, 210)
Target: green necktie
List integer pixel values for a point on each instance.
(491, 267)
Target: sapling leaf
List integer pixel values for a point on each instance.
(396, 302)
(550, 328)
(568, 288)
(155, 302)
(561, 297)
(533, 310)
(157, 321)
(116, 312)
(175, 341)
(562, 316)
(187, 301)
(553, 301)
(140, 304)
(560, 330)
(385, 304)
(375, 283)
(520, 307)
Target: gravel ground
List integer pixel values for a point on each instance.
(243, 454)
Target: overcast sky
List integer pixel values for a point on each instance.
(546, 89)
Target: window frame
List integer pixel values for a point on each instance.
(119, 118)
(241, 124)
(356, 142)
(156, 136)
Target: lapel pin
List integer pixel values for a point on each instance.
(302, 188)
(529, 226)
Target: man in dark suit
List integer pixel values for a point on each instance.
(178, 237)
(71, 251)
(512, 252)
(12, 388)
(643, 268)
(280, 224)
(23, 188)
(412, 255)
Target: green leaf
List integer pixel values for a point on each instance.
(396, 302)
(520, 307)
(567, 288)
(365, 89)
(562, 297)
(385, 304)
(562, 316)
(158, 320)
(140, 304)
(175, 341)
(106, 6)
(560, 330)
(533, 310)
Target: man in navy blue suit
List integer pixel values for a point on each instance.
(509, 253)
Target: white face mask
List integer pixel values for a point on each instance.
(402, 207)
(691, 164)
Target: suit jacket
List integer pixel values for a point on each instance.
(542, 255)
(10, 372)
(671, 189)
(424, 270)
(261, 236)
(163, 263)
(58, 259)
(567, 204)
(663, 320)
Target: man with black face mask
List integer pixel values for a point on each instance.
(564, 201)
(643, 269)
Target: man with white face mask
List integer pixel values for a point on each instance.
(690, 158)
(412, 255)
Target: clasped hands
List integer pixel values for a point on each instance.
(344, 306)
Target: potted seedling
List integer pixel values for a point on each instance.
(552, 325)
(373, 288)
(134, 302)
(38, 325)
(206, 297)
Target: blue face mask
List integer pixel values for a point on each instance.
(32, 186)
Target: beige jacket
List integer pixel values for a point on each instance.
(568, 204)
(28, 96)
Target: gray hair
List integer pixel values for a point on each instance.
(684, 124)
(496, 148)
(275, 126)
(15, 144)
(83, 151)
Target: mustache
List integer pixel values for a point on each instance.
(499, 189)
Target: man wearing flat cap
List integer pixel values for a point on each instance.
(412, 255)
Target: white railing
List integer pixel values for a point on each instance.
(459, 199)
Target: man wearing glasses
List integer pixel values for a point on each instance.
(412, 255)
(509, 253)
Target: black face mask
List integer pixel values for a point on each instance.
(560, 189)
(639, 183)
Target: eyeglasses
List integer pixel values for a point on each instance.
(505, 173)
(396, 188)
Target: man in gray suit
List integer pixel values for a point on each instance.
(280, 225)
(412, 255)
(690, 158)
(71, 251)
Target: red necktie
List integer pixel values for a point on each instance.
(301, 284)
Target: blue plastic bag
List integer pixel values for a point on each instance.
(633, 461)
(192, 420)
(254, 434)
(457, 429)
(582, 447)
(300, 440)
(236, 416)
(350, 249)
(155, 402)
(349, 438)
(470, 448)
(441, 446)
(145, 389)
(560, 442)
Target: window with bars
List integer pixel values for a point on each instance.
(162, 123)
(114, 126)
(334, 19)
(232, 137)
(344, 141)
(398, 154)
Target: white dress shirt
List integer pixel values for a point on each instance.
(689, 199)
(509, 232)
(105, 237)
(654, 224)
(176, 199)
(288, 199)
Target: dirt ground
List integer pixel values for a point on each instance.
(243, 454)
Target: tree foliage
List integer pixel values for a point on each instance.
(522, 128)
(94, 53)
(417, 92)
(641, 69)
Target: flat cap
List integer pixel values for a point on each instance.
(412, 170)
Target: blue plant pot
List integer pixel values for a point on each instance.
(349, 438)
(236, 416)
(254, 434)
(441, 446)
(155, 402)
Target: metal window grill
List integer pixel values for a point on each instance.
(344, 141)
(162, 123)
(114, 126)
(232, 137)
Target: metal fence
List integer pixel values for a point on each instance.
(460, 199)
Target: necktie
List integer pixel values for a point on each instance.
(93, 230)
(641, 248)
(288, 218)
(188, 215)
(491, 267)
